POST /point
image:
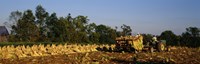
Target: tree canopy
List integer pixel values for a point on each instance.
(46, 27)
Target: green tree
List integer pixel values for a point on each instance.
(80, 23)
(126, 30)
(107, 34)
(170, 37)
(92, 35)
(70, 29)
(64, 29)
(42, 27)
(26, 30)
(191, 37)
(14, 18)
(41, 16)
(193, 31)
(52, 23)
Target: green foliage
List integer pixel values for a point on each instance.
(126, 30)
(147, 38)
(13, 18)
(191, 37)
(26, 30)
(170, 37)
(107, 34)
(52, 23)
(42, 27)
(92, 35)
(41, 18)
(45, 28)
(80, 23)
(41, 15)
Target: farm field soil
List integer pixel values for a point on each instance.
(178, 55)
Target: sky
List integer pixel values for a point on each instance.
(144, 16)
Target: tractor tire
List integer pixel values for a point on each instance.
(160, 47)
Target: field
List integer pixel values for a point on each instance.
(88, 54)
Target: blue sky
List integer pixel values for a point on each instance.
(144, 16)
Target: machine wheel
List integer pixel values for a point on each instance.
(161, 47)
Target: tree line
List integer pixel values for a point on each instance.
(190, 38)
(45, 27)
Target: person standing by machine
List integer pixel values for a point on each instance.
(154, 40)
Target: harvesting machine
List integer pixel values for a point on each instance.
(135, 43)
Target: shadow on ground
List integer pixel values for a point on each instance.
(105, 49)
(120, 61)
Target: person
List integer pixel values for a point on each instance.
(154, 39)
(137, 35)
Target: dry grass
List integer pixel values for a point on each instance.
(41, 50)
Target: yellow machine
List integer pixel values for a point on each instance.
(135, 43)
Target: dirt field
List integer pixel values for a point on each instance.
(178, 55)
